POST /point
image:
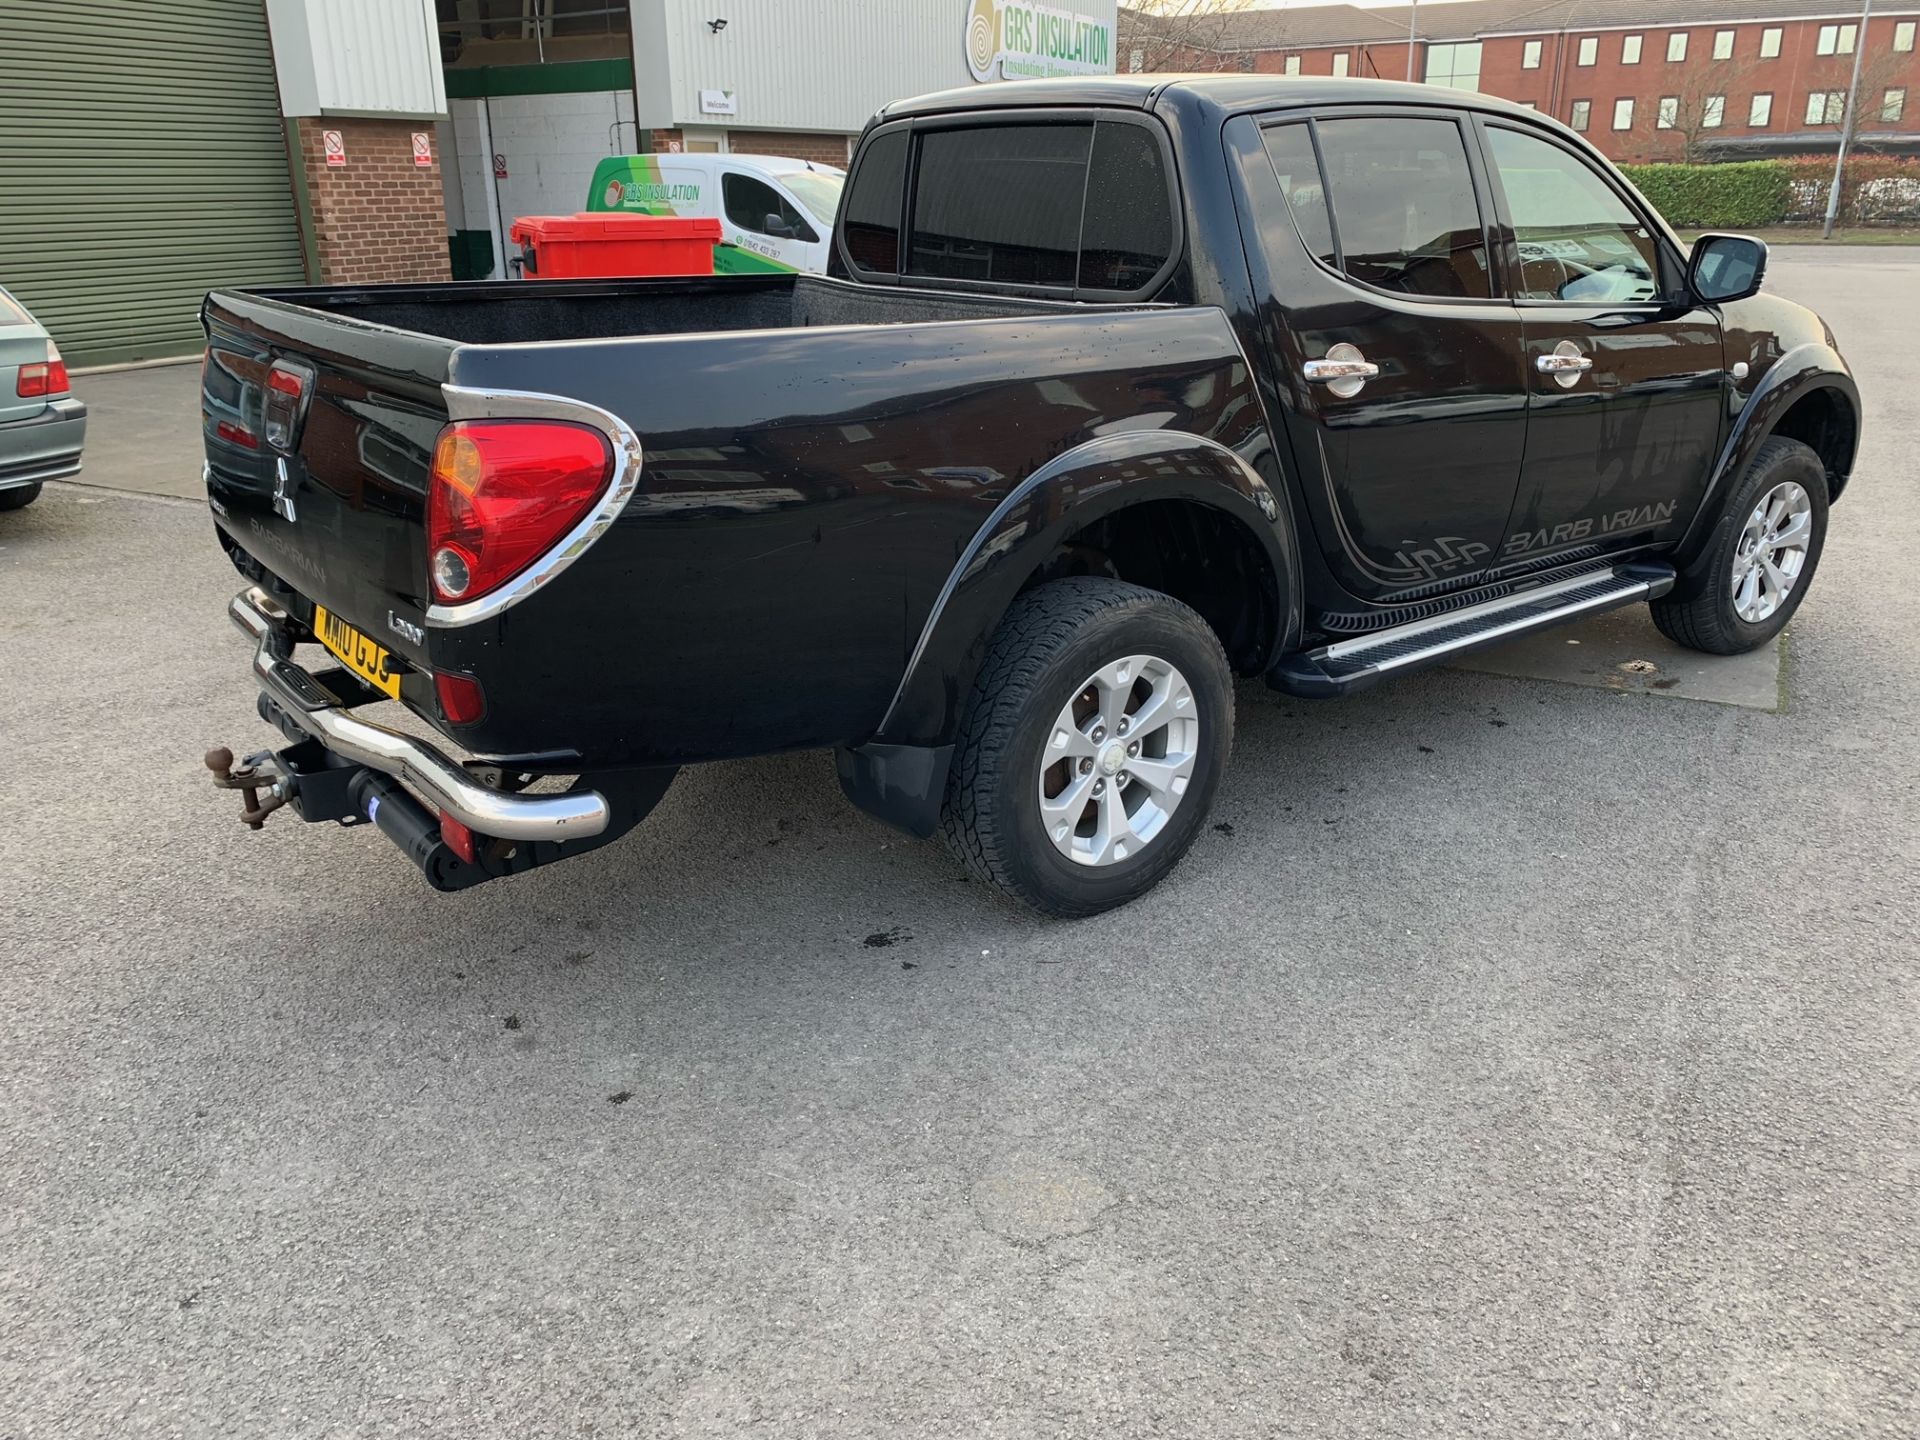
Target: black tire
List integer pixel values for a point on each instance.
(1052, 639)
(19, 497)
(1702, 616)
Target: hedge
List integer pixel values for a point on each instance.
(1745, 195)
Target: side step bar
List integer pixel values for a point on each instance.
(1349, 665)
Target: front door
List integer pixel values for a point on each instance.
(760, 219)
(1401, 368)
(1629, 387)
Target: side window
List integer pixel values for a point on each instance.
(1000, 203)
(1403, 206)
(874, 196)
(1126, 234)
(1290, 148)
(755, 205)
(1576, 238)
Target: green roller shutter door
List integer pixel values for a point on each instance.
(142, 163)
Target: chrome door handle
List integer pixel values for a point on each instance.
(1564, 363)
(1344, 370)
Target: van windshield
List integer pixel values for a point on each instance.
(818, 190)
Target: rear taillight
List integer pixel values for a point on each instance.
(286, 388)
(502, 493)
(44, 380)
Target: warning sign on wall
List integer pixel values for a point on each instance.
(335, 146)
(499, 166)
(422, 148)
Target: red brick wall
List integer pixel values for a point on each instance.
(1559, 80)
(828, 149)
(379, 216)
(1789, 78)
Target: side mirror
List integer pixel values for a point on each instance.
(778, 227)
(1726, 267)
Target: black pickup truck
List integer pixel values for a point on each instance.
(1117, 388)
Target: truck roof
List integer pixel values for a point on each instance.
(1224, 94)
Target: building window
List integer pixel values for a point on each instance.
(1589, 49)
(1630, 50)
(1723, 44)
(1457, 66)
(1835, 40)
(1713, 113)
(1579, 115)
(1893, 104)
(1825, 107)
(1770, 43)
(1340, 63)
(1293, 65)
(1760, 112)
(1669, 112)
(1903, 37)
(1676, 47)
(1623, 114)
(1530, 52)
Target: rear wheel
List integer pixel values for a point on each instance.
(19, 497)
(1762, 556)
(1099, 725)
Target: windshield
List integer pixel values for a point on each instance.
(818, 190)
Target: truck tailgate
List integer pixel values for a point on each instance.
(319, 433)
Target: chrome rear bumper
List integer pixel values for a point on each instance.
(439, 781)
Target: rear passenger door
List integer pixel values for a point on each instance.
(1629, 390)
(1399, 362)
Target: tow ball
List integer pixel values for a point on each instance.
(256, 774)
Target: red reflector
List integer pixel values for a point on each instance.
(502, 493)
(457, 836)
(237, 435)
(462, 700)
(284, 381)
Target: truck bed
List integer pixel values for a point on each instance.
(517, 311)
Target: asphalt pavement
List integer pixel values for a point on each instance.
(1509, 1058)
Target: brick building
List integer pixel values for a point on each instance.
(1644, 79)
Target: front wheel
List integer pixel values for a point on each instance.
(19, 497)
(1761, 557)
(1099, 725)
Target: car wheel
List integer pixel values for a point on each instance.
(19, 497)
(1096, 734)
(1763, 555)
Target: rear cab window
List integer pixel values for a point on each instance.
(1074, 206)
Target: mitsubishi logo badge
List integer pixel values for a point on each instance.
(283, 490)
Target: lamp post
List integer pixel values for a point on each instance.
(1848, 119)
(1413, 17)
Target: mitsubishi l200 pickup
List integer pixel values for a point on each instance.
(1116, 388)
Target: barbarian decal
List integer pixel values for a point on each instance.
(1642, 517)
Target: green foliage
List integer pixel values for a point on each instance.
(1744, 195)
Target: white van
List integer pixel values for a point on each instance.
(775, 213)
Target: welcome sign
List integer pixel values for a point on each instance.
(1020, 40)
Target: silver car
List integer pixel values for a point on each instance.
(42, 426)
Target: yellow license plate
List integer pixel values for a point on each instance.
(371, 662)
